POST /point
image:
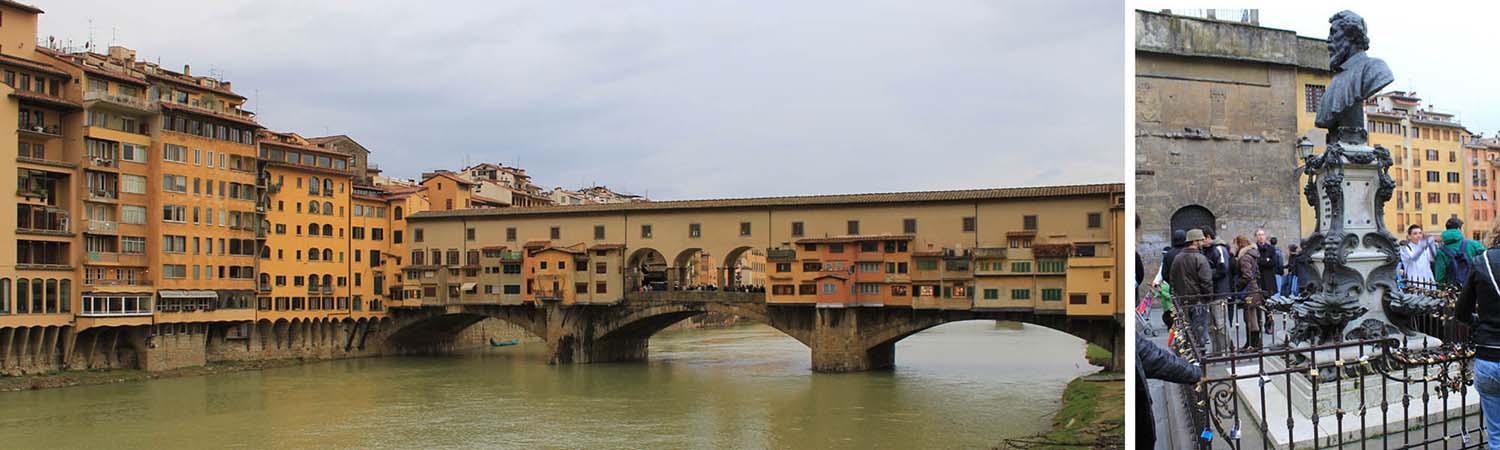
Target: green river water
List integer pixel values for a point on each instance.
(962, 385)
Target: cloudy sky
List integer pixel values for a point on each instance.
(1444, 54)
(675, 99)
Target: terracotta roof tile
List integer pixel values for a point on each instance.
(810, 200)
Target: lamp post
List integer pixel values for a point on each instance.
(1304, 148)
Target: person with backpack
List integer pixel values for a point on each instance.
(1417, 255)
(1479, 307)
(1455, 257)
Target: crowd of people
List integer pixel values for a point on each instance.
(1198, 267)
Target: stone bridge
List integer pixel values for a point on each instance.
(841, 339)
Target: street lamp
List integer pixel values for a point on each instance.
(1305, 148)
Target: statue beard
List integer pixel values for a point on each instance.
(1341, 53)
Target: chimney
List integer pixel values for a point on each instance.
(187, 70)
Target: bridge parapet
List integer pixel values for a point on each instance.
(697, 297)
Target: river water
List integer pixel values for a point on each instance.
(961, 385)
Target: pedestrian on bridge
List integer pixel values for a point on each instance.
(1479, 307)
(1249, 286)
(1193, 285)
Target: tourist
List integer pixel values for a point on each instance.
(1249, 286)
(1479, 306)
(1279, 262)
(1154, 363)
(1220, 259)
(1417, 255)
(1456, 254)
(1179, 240)
(1289, 281)
(1192, 284)
(1267, 262)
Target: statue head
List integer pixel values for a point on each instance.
(1347, 35)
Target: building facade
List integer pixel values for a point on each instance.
(918, 250)
(1215, 126)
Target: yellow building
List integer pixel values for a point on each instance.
(1483, 156)
(305, 265)
(903, 249)
(1431, 165)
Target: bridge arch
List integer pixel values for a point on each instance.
(645, 266)
(734, 272)
(693, 267)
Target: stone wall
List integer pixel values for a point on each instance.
(480, 334)
(1216, 124)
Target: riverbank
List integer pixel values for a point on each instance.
(110, 376)
(1092, 414)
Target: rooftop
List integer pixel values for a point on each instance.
(807, 200)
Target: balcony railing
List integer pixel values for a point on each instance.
(40, 128)
(320, 289)
(112, 283)
(101, 162)
(136, 103)
(263, 288)
(104, 226)
(95, 194)
(42, 219)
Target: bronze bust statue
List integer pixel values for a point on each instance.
(1356, 77)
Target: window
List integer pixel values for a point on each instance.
(1453, 177)
(782, 267)
(1020, 294)
(1433, 197)
(854, 227)
(1433, 176)
(797, 229)
(174, 183)
(783, 289)
(969, 224)
(1096, 220)
(174, 153)
(416, 235)
(868, 267)
(695, 230)
(1432, 155)
(1028, 223)
(469, 234)
(601, 268)
(1047, 266)
(909, 226)
(598, 232)
(1078, 299)
(927, 264)
(556, 232)
(1051, 295)
(1454, 198)
(744, 228)
(1312, 95)
(133, 214)
(830, 288)
(835, 248)
(510, 235)
(991, 294)
(645, 231)
(1024, 266)
(512, 289)
(580, 288)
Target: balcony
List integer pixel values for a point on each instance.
(264, 288)
(128, 259)
(116, 283)
(100, 163)
(46, 220)
(104, 226)
(316, 290)
(91, 98)
(40, 129)
(990, 253)
(103, 195)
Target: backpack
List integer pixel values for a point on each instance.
(1459, 264)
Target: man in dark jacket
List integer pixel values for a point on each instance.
(1192, 284)
(1266, 262)
(1153, 362)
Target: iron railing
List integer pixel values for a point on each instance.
(1404, 391)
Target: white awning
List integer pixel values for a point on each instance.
(469, 287)
(187, 294)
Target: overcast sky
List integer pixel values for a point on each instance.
(676, 99)
(1445, 54)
